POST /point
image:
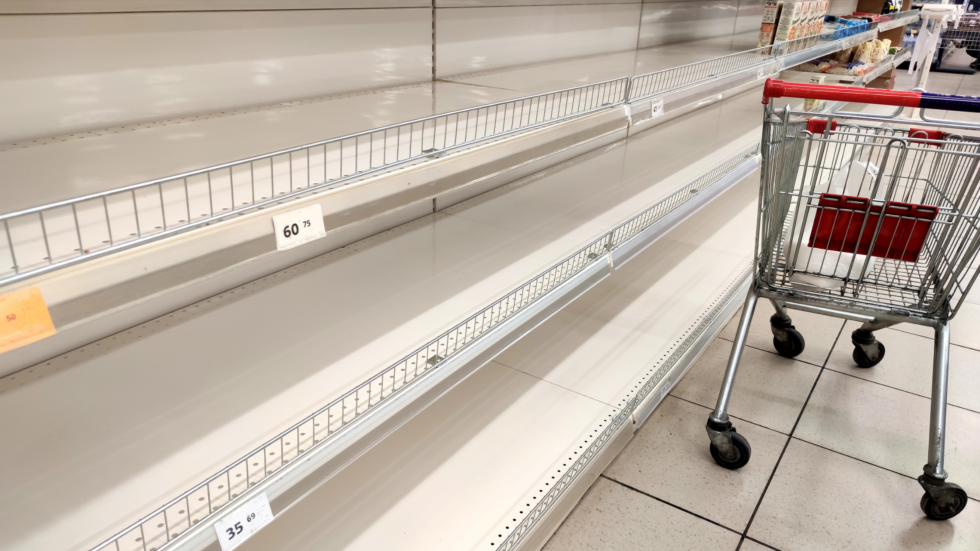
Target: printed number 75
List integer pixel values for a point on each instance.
(233, 531)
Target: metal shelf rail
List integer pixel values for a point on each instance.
(281, 464)
(46, 238)
(42, 239)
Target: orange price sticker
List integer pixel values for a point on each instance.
(24, 319)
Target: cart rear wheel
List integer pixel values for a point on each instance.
(791, 347)
(861, 357)
(957, 502)
(742, 449)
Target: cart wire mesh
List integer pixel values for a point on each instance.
(810, 181)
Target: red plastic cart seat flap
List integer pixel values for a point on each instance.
(919, 135)
(818, 126)
(903, 233)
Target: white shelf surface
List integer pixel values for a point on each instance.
(460, 474)
(543, 77)
(105, 433)
(64, 167)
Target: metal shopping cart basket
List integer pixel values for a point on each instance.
(868, 218)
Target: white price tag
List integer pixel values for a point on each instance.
(761, 74)
(240, 524)
(656, 107)
(298, 227)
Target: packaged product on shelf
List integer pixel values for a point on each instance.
(818, 15)
(863, 52)
(855, 68)
(844, 56)
(812, 104)
(784, 28)
(878, 50)
(770, 16)
(838, 27)
(815, 66)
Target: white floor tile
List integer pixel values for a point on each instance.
(769, 390)
(907, 365)
(674, 435)
(820, 500)
(888, 428)
(819, 332)
(613, 517)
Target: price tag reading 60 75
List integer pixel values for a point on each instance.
(240, 524)
(298, 227)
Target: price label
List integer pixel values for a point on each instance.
(656, 107)
(298, 227)
(24, 318)
(239, 525)
(761, 74)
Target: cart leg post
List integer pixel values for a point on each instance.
(787, 341)
(942, 500)
(729, 449)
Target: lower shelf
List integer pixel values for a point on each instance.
(472, 470)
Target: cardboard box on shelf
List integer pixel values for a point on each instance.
(770, 16)
(790, 19)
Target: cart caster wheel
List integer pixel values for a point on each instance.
(956, 498)
(791, 347)
(742, 453)
(862, 359)
(787, 341)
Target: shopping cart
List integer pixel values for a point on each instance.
(869, 218)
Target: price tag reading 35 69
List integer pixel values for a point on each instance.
(240, 524)
(298, 227)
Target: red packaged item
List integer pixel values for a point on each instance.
(903, 232)
(919, 135)
(818, 126)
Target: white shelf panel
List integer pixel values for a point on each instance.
(214, 380)
(462, 473)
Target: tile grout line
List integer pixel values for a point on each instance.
(894, 328)
(899, 389)
(789, 438)
(665, 502)
(864, 461)
(732, 416)
(767, 351)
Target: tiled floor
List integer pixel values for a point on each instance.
(835, 452)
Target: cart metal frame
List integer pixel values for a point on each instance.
(878, 278)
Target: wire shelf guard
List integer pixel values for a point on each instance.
(41, 239)
(210, 499)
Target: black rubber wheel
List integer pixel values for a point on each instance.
(935, 512)
(862, 359)
(741, 446)
(790, 349)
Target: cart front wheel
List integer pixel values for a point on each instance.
(863, 360)
(792, 346)
(742, 455)
(956, 502)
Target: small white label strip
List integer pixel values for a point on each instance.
(239, 525)
(298, 227)
(762, 73)
(656, 107)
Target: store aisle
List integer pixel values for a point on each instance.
(835, 451)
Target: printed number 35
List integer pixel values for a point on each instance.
(233, 531)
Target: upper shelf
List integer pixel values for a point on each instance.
(50, 237)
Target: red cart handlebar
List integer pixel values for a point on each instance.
(897, 98)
